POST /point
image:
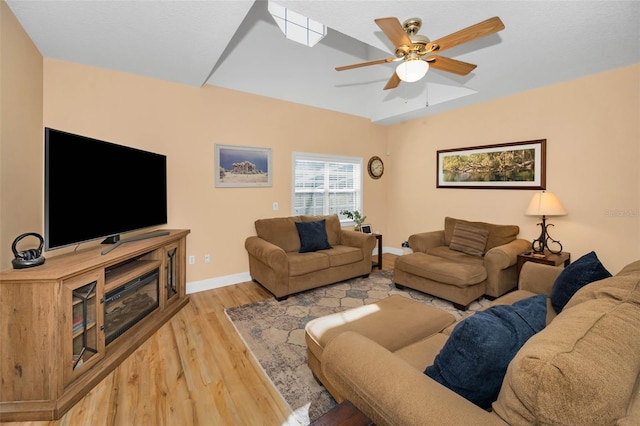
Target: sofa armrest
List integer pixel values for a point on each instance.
(538, 278)
(267, 253)
(390, 391)
(363, 241)
(423, 241)
(501, 257)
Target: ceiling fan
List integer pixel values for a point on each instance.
(417, 52)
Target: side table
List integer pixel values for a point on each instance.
(379, 262)
(343, 414)
(547, 258)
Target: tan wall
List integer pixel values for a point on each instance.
(593, 147)
(591, 125)
(21, 140)
(185, 123)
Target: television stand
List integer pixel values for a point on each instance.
(135, 238)
(57, 320)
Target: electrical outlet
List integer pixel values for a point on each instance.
(207, 258)
(275, 205)
(192, 260)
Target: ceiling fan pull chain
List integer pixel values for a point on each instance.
(427, 97)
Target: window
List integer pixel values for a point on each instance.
(297, 27)
(326, 184)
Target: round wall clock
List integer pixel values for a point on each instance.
(375, 167)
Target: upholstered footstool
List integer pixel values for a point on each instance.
(460, 283)
(394, 322)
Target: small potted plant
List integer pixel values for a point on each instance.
(355, 216)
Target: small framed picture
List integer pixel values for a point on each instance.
(365, 228)
(242, 166)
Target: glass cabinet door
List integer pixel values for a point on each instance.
(171, 272)
(83, 336)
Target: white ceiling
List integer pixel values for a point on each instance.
(237, 45)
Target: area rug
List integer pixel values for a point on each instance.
(274, 333)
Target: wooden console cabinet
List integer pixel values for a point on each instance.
(53, 348)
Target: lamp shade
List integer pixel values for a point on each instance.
(545, 204)
(412, 70)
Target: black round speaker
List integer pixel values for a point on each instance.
(27, 258)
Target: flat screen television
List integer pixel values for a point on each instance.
(96, 189)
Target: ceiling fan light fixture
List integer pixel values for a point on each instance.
(412, 70)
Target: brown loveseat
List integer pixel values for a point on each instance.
(462, 262)
(276, 263)
(581, 369)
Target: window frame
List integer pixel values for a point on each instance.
(329, 158)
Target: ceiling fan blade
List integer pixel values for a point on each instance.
(481, 29)
(394, 31)
(450, 65)
(393, 82)
(366, 64)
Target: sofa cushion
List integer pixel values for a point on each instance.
(624, 288)
(313, 236)
(422, 353)
(631, 269)
(582, 368)
(280, 231)
(469, 239)
(475, 358)
(446, 253)
(343, 255)
(306, 263)
(498, 234)
(583, 271)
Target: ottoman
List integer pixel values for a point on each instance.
(394, 322)
(459, 282)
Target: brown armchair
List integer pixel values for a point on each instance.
(462, 262)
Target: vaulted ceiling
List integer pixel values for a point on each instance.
(236, 44)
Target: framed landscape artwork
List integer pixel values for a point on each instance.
(242, 166)
(514, 165)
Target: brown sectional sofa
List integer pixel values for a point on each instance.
(583, 368)
(276, 263)
(436, 268)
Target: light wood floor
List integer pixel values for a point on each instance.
(195, 370)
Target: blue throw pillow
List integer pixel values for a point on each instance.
(313, 236)
(583, 271)
(475, 358)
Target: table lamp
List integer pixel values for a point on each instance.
(545, 204)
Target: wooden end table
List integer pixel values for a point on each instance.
(379, 262)
(343, 414)
(546, 258)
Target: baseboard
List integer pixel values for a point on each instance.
(393, 250)
(217, 282)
